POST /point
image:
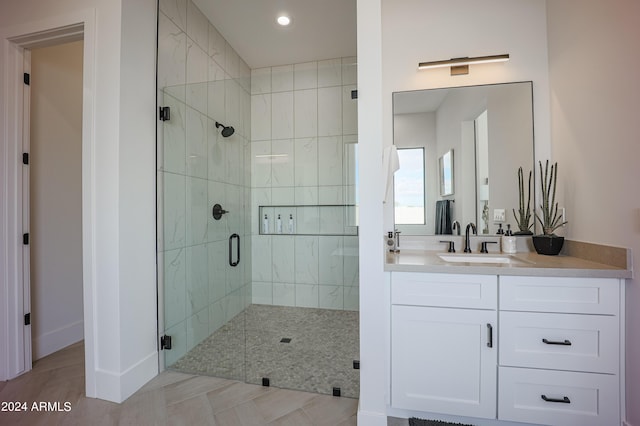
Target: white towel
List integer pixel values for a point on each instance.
(390, 164)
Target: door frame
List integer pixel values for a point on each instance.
(15, 357)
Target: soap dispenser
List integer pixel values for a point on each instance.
(509, 241)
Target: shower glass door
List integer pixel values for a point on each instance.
(203, 249)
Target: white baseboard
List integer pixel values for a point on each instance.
(117, 387)
(371, 419)
(54, 340)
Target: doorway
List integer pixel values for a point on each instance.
(54, 193)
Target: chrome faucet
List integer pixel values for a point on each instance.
(467, 243)
(456, 226)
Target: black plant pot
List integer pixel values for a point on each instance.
(549, 245)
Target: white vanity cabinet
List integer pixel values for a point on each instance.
(560, 350)
(444, 343)
(540, 350)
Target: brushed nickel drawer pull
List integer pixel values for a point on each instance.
(552, 342)
(564, 399)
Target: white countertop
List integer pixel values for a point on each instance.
(527, 263)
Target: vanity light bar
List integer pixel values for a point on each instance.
(461, 65)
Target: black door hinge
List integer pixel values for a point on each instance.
(26, 78)
(354, 94)
(27, 319)
(25, 239)
(165, 342)
(25, 158)
(165, 113)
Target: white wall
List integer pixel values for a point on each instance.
(392, 40)
(118, 182)
(55, 197)
(594, 110)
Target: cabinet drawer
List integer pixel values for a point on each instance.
(446, 290)
(560, 294)
(591, 399)
(560, 341)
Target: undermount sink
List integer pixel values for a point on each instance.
(478, 258)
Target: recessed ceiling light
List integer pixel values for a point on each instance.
(284, 20)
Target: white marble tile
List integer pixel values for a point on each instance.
(331, 195)
(175, 291)
(261, 258)
(283, 259)
(330, 73)
(197, 26)
(262, 293)
(259, 197)
(235, 159)
(306, 162)
(232, 105)
(305, 76)
(218, 253)
(232, 305)
(307, 220)
(282, 115)
(261, 117)
(307, 295)
(174, 212)
(197, 210)
(217, 153)
(196, 146)
(351, 269)
(218, 230)
(215, 100)
(260, 81)
(178, 335)
(349, 112)
(332, 220)
(217, 45)
(261, 164)
(330, 111)
(244, 75)
(306, 195)
(232, 62)
(284, 294)
(197, 63)
(282, 163)
(172, 55)
(174, 136)
(331, 297)
(352, 298)
(235, 208)
(197, 260)
(197, 328)
(306, 259)
(331, 265)
(350, 70)
(330, 164)
(306, 113)
(282, 78)
(284, 196)
(197, 96)
(216, 316)
(176, 10)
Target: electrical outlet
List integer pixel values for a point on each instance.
(499, 215)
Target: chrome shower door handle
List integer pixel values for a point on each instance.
(231, 261)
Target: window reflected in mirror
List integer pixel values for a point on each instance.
(409, 187)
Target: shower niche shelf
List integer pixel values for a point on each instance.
(330, 220)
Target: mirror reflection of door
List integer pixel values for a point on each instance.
(482, 172)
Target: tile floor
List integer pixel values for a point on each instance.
(171, 398)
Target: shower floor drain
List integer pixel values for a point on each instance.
(285, 340)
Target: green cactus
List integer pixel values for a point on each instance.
(550, 220)
(524, 216)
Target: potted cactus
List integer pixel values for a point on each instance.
(523, 218)
(549, 243)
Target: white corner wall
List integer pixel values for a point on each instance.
(55, 180)
(594, 119)
(118, 182)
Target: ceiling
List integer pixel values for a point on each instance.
(319, 29)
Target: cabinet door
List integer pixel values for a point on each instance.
(444, 360)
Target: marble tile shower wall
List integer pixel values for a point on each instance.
(203, 80)
(303, 144)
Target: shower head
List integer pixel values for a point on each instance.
(226, 131)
